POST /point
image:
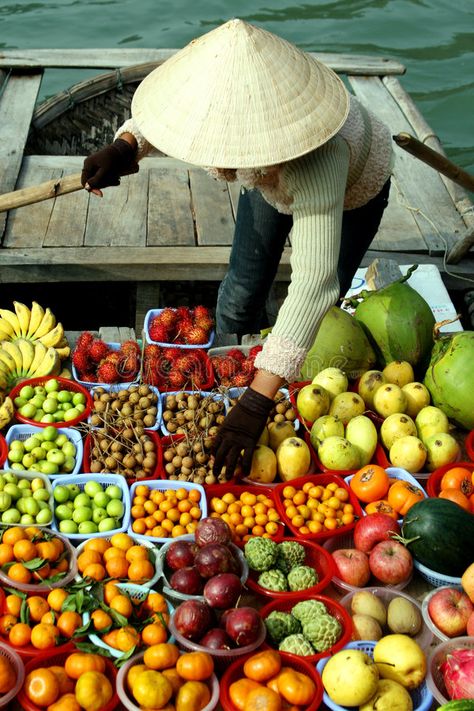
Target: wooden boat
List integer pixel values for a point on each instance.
(171, 221)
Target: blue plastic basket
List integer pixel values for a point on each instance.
(105, 480)
(421, 697)
(22, 432)
(138, 593)
(438, 580)
(203, 393)
(164, 485)
(116, 387)
(87, 384)
(47, 485)
(155, 312)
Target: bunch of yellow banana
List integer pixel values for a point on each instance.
(7, 410)
(36, 324)
(22, 359)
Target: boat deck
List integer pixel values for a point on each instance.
(172, 221)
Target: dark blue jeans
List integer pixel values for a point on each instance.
(259, 238)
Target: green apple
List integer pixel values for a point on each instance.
(114, 491)
(27, 410)
(39, 453)
(108, 524)
(115, 508)
(5, 501)
(79, 399)
(46, 467)
(50, 405)
(31, 506)
(41, 495)
(61, 494)
(31, 442)
(80, 407)
(15, 455)
(71, 414)
(82, 500)
(87, 527)
(24, 484)
(17, 466)
(69, 465)
(63, 512)
(101, 499)
(37, 401)
(17, 444)
(69, 449)
(65, 396)
(56, 456)
(74, 490)
(11, 516)
(82, 513)
(91, 488)
(47, 419)
(37, 483)
(39, 390)
(44, 516)
(10, 478)
(51, 385)
(98, 515)
(29, 460)
(27, 392)
(27, 520)
(13, 490)
(66, 526)
(50, 434)
(61, 439)
(2, 482)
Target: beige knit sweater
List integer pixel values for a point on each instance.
(343, 174)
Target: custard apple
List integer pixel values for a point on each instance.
(307, 610)
(280, 625)
(273, 580)
(261, 553)
(302, 577)
(322, 631)
(297, 644)
(290, 554)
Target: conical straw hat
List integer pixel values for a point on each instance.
(239, 97)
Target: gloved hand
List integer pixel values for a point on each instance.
(104, 168)
(241, 430)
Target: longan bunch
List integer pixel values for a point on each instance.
(188, 413)
(125, 408)
(130, 452)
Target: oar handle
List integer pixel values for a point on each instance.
(43, 191)
(434, 159)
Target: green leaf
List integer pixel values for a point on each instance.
(12, 591)
(81, 631)
(69, 604)
(93, 649)
(55, 578)
(24, 612)
(126, 655)
(80, 600)
(34, 563)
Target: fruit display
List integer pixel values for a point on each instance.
(85, 506)
(182, 326)
(312, 627)
(119, 557)
(314, 506)
(35, 559)
(161, 511)
(171, 368)
(248, 511)
(125, 407)
(47, 450)
(95, 361)
(131, 451)
(167, 677)
(206, 564)
(26, 499)
(233, 368)
(50, 400)
(389, 491)
(69, 679)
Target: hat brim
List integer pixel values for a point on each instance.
(240, 97)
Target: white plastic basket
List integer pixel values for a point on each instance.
(116, 387)
(164, 485)
(126, 700)
(19, 668)
(424, 636)
(155, 312)
(22, 432)
(434, 578)
(421, 697)
(106, 480)
(427, 617)
(177, 596)
(202, 393)
(436, 657)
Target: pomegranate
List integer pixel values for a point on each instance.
(212, 530)
(223, 591)
(243, 625)
(187, 580)
(180, 554)
(212, 559)
(192, 619)
(458, 673)
(216, 638)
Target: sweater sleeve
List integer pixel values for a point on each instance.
(143, 147)
(317, 185)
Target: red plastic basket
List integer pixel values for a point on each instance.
(334, 608)
(238, 489)
(158, 472)
(381, 457)
(65, 384)
(236, 671)
(316, 557)
(3, 450)
(55, 657)
(324, 480)
(433, 486)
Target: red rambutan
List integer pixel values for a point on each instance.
(84, 340)
(254, 350)
(204, 322)
(183, 313)
(176, 379)
(196, 336)
(130, 347)
(89, 377)
(159, 332)
(81, 360)
(129, 366)
(152, 351)
(168, 317)
(107, 373)
(98, 349)
(201, 312)
(186, 363)
(242, 380)
(247, 366)
(171, 353)
(227, 368)
(236, 354)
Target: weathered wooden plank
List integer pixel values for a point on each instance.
(17, 102)
(66, 228)
(110, 58)
(27, 226)
(170, 219)
(119, 220)
(398, 229)
(212, 209)
(421, 188)
(116, 334)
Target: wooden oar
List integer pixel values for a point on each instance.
(434, 159)
(38, 193)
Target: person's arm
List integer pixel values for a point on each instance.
(317, 184)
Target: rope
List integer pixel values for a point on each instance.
(71, 100)
(119, 76)
(430, 135)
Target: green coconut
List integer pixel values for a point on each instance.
(398, 321)
(450, 377)
(340, 343)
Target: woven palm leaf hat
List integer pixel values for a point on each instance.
(239, 97)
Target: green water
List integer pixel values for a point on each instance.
(434, 39)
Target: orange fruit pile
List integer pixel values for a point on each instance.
(119, 558)
(315, 508)
(165, 513)
(23, 545)
(247, 515)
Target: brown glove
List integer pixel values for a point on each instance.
(104, 168)
(241, 430)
